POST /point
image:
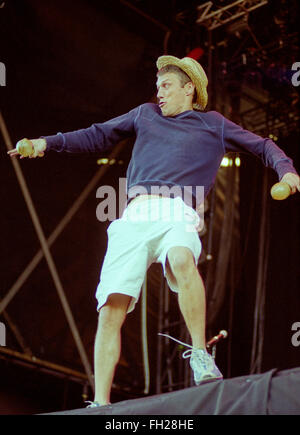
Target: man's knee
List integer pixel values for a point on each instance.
(181, 261)
(113, 313)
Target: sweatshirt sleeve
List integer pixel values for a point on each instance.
(235, 138)
(96, 138)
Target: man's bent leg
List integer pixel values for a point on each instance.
(191, 296)
(108, 344)
(192, 303)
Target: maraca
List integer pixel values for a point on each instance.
(280, 190)
(25, 148)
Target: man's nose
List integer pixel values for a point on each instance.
(159, 93)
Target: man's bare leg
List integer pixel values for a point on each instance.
(191, 297)
(108, 344)
(192, 303)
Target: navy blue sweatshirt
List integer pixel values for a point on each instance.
(183, 150)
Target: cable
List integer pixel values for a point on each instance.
(144, 337)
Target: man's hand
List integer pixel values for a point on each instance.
(38, 148)
(293, 180)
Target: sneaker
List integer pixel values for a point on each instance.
(201, 362)
(203, 365)
(94, 404)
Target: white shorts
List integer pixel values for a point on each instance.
(142, 236)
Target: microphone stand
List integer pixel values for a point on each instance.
(212, 343)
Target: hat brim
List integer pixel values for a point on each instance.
(195, 72)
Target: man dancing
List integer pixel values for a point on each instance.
(177, 145)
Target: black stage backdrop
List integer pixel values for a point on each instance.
(70, 64)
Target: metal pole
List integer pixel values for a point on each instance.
(15, 330)
(160, 328)
(144, 336)
(58, 230)
(30, 360)
(47, 254)
(210, 70)
(263, 256)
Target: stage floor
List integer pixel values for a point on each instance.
(271, 393)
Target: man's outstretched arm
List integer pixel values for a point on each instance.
(238, 139)
(96, 138)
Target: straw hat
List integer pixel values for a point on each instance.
(195, 72)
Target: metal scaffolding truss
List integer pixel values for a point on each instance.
(27, 358)
(276, 117)
(268, 103)
(212, 18)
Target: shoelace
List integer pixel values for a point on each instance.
(187, 353)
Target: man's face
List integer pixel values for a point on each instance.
(172, 98)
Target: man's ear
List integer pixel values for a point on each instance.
(189, 88)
